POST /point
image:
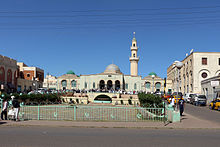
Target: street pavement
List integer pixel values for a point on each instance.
(198, 127)
(203, 112)
(35, 136)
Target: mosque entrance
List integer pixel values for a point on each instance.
(117, 85)
(109, 85)
(102, 99)
(102, 84)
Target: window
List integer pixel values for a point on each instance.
(85, 85)
(133, 55)
(73, 83)
(218, 61)
(64, 83)
(134, 45)
(28, 75)
(135, 86)
(204, 61)
(158, 85)
(93, 84)
(126, 86)
(147, 85)
(204, 75)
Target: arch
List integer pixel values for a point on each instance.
(109, 85)
(73, 83)
(117, 85)
(147, 85)
(202, 72)
(158, 86)
(102, 98)
(9, 76)
(217, 73)
(2, 74)
(64, 83)
(102, 84)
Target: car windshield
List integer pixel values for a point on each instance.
(191, 95)
(202, 97)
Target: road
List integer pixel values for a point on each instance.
(105, 137)
(203, 112)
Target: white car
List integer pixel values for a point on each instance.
(188, 96)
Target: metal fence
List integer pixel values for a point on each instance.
(92, 113)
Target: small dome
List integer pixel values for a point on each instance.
(112, 68)
(71, 72)
(152, 73)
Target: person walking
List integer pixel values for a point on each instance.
(181, 106)
(4, 110)
(16, 107)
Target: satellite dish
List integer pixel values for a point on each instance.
(191, 51)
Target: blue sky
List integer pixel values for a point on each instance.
(85, 36)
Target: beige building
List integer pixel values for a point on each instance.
(50, 82)
(8, 74)
(30, 78)
(197, 66)
(113, 79)
(68, 81)
(211, 87)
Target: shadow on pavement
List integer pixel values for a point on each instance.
(2, 123)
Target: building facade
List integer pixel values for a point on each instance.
(8, 74)
(50, 82)
(113, 79)
(197, 66)
(211, 87)
(30, 78)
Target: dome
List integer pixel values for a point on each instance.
(71, 72)
(112, 68)
(152, 73)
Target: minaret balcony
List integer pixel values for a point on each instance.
(134, 58)
(134, 48)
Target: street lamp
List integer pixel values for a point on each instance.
(178, 65)
(153, 83)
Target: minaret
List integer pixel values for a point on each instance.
(134, 58)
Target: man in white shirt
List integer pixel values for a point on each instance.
(173, 102)
(196, 100)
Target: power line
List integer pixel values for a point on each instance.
(113, 10)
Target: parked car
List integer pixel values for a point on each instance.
(198, 100)
(188, 96)
(179, 94)
(215, 104)
(176, 96)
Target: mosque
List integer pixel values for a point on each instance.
(112, 78)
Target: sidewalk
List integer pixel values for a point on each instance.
(187, 122)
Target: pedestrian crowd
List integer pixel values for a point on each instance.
(14, 109)
(180, 104)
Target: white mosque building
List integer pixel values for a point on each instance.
(113, 79)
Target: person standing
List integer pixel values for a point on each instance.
(4, 110)
(16, 107)
(181, 106)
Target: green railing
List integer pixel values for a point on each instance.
(92, 113)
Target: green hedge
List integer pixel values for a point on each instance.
(38, 98)
(150, 100)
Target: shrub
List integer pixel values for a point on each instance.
(150, 100)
